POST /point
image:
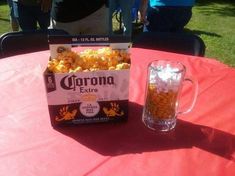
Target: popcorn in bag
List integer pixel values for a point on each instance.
(88, 86)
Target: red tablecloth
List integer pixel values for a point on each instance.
(203, 142)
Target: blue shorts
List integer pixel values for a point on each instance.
(168, 19)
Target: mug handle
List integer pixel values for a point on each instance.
(195, 91)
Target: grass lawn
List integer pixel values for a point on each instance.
(4, 17)
(213, 21)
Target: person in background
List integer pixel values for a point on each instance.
(126, 7)
(33, 12)
(80, 16)
(13, 19)
(166, 15)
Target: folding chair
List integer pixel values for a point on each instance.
(183, 43)
(13, 43)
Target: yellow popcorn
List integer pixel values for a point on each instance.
(90, 60)
(112, 68)
(122, 66)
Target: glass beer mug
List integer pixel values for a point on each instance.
(164, 85)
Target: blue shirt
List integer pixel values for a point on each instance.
(171, 2)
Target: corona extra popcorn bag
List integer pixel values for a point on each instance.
(91, 85)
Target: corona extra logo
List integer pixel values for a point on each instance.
(71, 82)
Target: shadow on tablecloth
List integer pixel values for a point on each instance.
(111, 139)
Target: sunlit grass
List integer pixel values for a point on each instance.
(4, 18)
(215, 23)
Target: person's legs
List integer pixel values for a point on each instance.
(112, 7)
(27, 21)
(168, 19)
(135, 10)
(13, 18)
(159, 19)
(96, 23)
(181, 18)
(68, 27)
(126, 7)
(43, 19)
